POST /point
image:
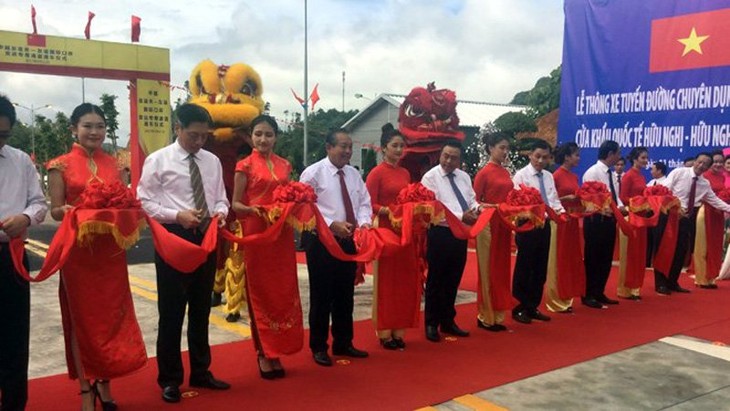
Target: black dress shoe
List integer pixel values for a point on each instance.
(432, 333)
(322, 358)
(522, 317)
(663, 290)
(605, 300)
(453, 329)
(678, 289)
(592, 303)
(208, 381)
(388, 344)
(493, 327)
(171, 393)
(537, 315)
(351, 352)
(233, 317)
(216, 299)
(708, 286)
(399, 342)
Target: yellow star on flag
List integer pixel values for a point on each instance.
(693, 42)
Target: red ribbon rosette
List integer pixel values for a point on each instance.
(100, 195)
(415, 193)
(294, 192)
(418, 204)
(594, 196)
(523, 210)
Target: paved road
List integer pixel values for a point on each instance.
(41, 235)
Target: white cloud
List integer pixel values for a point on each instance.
(483, 49)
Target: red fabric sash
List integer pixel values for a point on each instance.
(179, 253)
(666, 204)
(124, 224)
(714, 233)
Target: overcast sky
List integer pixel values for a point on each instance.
(485, 50)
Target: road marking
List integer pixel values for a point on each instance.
(479, 404)
(148, 289)
(710, 349)
(36, 247)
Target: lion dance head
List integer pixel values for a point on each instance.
(232, 96)
(427, 118)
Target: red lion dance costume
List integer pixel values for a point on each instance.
(232, 96)
(427, 118)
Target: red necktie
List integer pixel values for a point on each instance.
(349, 212)
(692, 194)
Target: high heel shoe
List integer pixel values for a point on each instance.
(109, 405)
(278, 368)
(267, 375)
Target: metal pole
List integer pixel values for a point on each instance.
(32, 130)
(306, 87)
(343, 90)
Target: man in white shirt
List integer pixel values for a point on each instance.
(344, 202)
(533, 246)
(182, 187)
(692, 189)
(599, 230)
(658, 173)
(445, 253)
(23, 204)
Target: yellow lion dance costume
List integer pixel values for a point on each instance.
(232, 96)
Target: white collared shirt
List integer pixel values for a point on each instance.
(323, 177)
(656, 181)
(20, 188)
(527, 175)
(437, 180)
(165, 189)
(599, 172)
(679, 181)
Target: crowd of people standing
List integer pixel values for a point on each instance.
(182, 188)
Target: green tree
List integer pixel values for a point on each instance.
(544, 96)
(290, 143)
(109, 108)
(369, 161)
(515, 122)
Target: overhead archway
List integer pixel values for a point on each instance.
(147, 69)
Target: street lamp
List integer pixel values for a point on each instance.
(359, 95)
(32, 110)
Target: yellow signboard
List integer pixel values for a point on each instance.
(153, 115)
(90, 58)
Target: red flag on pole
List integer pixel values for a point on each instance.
(32, 18)
(87, 30)
(136, 29)
(314, 97)
(299, 99)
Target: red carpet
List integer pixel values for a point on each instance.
(425, 373)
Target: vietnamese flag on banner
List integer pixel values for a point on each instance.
(690, 41)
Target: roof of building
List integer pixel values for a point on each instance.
(471, 113)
